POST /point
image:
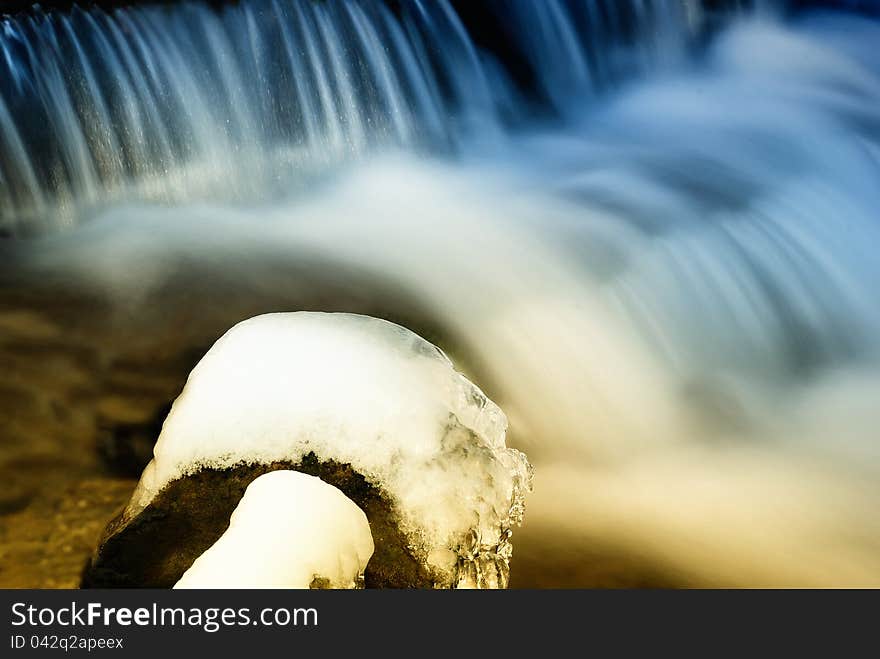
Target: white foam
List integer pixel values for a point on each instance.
(360, 391)
(288, 529)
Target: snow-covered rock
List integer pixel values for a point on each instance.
(367, 393)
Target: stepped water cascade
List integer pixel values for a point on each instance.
(173, 103)
(647, 229)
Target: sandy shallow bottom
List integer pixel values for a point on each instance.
(47, 544)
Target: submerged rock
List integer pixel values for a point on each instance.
(365, 405)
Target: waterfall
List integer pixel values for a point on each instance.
(647, 229)
(188, 101)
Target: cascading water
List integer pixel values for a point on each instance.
(649, 232)
(177, 103)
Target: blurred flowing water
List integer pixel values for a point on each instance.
(649, 231)
(188, 101)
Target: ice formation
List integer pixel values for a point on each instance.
(288, 530)
(368, 393)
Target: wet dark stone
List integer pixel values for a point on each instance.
(127, 448)
(15, 496)
(155, 548)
